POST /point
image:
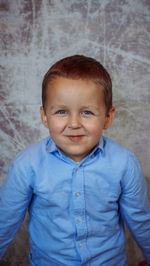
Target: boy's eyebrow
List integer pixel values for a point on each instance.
(89, 106)
(61, 106)
(97, 108)
(54, 107)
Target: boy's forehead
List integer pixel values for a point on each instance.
(74, 91)
(58, 81)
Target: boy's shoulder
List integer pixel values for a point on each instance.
(112, 145)
(120, 160)
(117, 152)
(33, 152)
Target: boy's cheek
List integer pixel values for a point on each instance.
(94, 128)
(56, 127)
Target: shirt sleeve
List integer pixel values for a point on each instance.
(15, 196)
(135, 207)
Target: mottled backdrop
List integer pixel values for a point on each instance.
(36, 33)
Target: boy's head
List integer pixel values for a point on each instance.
(77, 104)
(80, 67)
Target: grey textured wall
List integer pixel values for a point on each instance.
(36, 33)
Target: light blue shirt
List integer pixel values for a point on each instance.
(76, 209)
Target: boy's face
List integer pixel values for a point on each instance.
(75, 115)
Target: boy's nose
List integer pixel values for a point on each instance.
(74, 122)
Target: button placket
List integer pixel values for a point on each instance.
(79, 210)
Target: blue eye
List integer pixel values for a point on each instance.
(86, 112)
(61, 112)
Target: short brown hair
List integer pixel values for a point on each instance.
(80, 67)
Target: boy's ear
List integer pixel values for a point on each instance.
(43, 117)
(109, 118)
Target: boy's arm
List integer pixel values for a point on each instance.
(15, 196)
(135, 207)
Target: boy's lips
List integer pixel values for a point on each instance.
(75, 137)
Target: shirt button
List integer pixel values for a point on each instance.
(79, 219)
(77, 194)
(80, 245)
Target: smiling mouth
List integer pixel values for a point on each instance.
(76, 138)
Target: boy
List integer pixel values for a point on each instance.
(78, 185)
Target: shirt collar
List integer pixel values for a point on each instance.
(101, 144)
(52, 147)
(97, 149)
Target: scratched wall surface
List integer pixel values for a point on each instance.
(36, 33)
